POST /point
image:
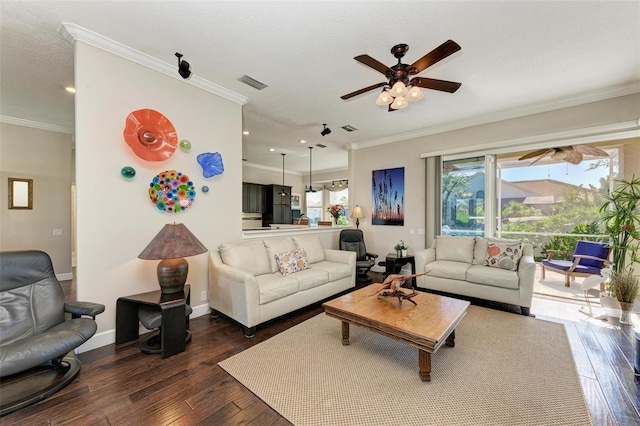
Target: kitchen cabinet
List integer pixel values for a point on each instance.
(253, 198)
(277, 206)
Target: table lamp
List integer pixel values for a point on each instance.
(358, 214)
(173, 243)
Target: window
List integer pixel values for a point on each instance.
(463, 208)
(340, 197)
(314, 206)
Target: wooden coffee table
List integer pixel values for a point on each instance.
(427, 325)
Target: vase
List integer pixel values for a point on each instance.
(404, 253)
(625, 313)
(610, 305)
(335, 220)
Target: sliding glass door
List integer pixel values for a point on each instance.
(464, 196)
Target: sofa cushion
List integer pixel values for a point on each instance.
(335, 270)
(480, 250)
(448, 269)
(275, 246)
(313, 247)
(503, 255)
(493, 276)
(310, 278)
(275, 286)
(456, 249)
(292, 261)
(249, 257)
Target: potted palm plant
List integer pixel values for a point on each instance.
(621, 220)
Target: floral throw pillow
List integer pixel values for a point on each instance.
(292, 261)
(503, 255)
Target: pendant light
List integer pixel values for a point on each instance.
(310, 188)
(283, 192)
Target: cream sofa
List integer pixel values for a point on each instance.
(245, 282)
(458, 265)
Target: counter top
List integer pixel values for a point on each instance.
(289, 230)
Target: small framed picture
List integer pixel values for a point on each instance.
(295, 201)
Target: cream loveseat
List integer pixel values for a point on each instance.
(247, 285)
(485, 268)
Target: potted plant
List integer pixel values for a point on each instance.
(621, 220)
(401, 249)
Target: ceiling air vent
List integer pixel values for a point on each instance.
(319, 145)
(348, 128)
(252, 82)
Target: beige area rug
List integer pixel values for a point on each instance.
(505, 369)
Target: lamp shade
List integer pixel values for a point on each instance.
(173, 241)
(170, 246)
(398, 89)
(399, 103)
(414, 94)
(357, 212)
(384, 98)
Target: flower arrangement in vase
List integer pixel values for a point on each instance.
(336, 211)
(401, 248)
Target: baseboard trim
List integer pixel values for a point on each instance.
(65, 277)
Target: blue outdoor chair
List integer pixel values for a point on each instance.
(589, 258)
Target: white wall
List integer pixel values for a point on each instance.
(115, 217)
(381, 239)
(45, 157)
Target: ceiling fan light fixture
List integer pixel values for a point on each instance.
(399, 103)
(398, 89)
(384, 98)
(414, 94)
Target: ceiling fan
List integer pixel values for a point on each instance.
(400, 85)
(571, 153)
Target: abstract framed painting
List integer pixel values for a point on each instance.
(387, 197)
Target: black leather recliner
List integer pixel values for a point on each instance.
(33, 329)
(353, 240)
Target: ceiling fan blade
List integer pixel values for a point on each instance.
(573, 156)
(447, 48)
(361, 91)
(430, 83)
(374, 63)
(590, 150)
(540, 157)
(534, 154)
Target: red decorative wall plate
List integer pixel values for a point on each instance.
(150, 135)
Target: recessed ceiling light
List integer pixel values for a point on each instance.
(302, 141)
(271, 149)
(245, 132)
(70, 89)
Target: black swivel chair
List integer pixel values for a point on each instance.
(353, 240)
(36, 340)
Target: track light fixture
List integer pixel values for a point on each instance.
(183, 67)
(326, 130)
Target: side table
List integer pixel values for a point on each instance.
(393, 264)
(173, 330)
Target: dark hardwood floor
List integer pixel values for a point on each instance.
(120, 385)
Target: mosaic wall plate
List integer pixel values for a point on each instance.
(172, 191)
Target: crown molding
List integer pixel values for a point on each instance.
(35, 125)
(72, 33)
(585, 98)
